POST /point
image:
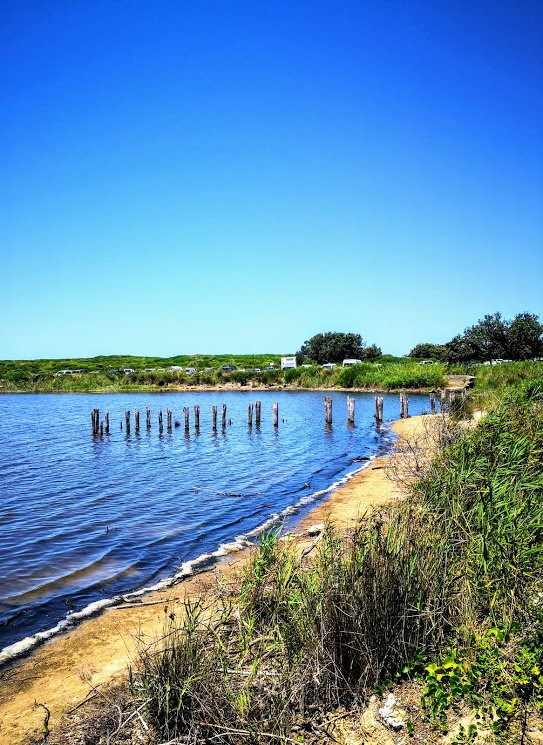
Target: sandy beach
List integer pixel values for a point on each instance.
(62, 672)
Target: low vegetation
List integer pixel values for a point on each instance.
(102, 374)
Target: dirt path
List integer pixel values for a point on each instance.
(61, 672)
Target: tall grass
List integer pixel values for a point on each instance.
(315, 630)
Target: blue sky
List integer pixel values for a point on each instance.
(184, 177)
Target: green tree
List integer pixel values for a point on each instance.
(494, 337)
(332, 346)
(525, 337)
(370, 353)
(429, 351)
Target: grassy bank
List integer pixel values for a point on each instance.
(150, 373)
(441, 593)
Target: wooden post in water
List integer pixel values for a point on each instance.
(404, 405)
(350, 409)
(186, 414)
(169, 419)
(160, 423)
(328, 409)
(95, 419)
(378, 409)
(148, 417)
(250, 415)
(257, 413)
(101, 429)
(106, 420)
(224, 416)
(275, 414)
(214, 417)
(196, 417)
(137, 419)
(432, 403)
(127, 421)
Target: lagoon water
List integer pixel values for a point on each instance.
(83, 519)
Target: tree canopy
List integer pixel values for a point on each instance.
(494, 337)
(334, 346)
(429, 351)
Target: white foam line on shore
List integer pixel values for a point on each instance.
(185, 570)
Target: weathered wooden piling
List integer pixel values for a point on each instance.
(442, 401)
(404, 405)
(127, 421)
(148, 417)
(350, 409)
(224, 416)
(160, 422)
(196, 417)
(137, 420)
(378, 409)
(95, 420)
(328, 409)
(214, 417)
(275, 414)
(250, 415)
(186, 414)
(257, 413)
(106, 422)
(169, 419)
(432, 403)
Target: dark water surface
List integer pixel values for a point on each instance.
(83, 518)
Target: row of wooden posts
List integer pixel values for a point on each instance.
(102, 427)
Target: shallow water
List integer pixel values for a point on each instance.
(85, 518)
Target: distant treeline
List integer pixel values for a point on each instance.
(491, 338)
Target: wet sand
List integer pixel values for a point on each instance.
(62, 672)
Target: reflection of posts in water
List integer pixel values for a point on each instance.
(328, 409)
(350, 409)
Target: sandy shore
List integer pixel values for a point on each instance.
(60, 673)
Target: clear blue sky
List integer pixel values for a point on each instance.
(183, 177)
